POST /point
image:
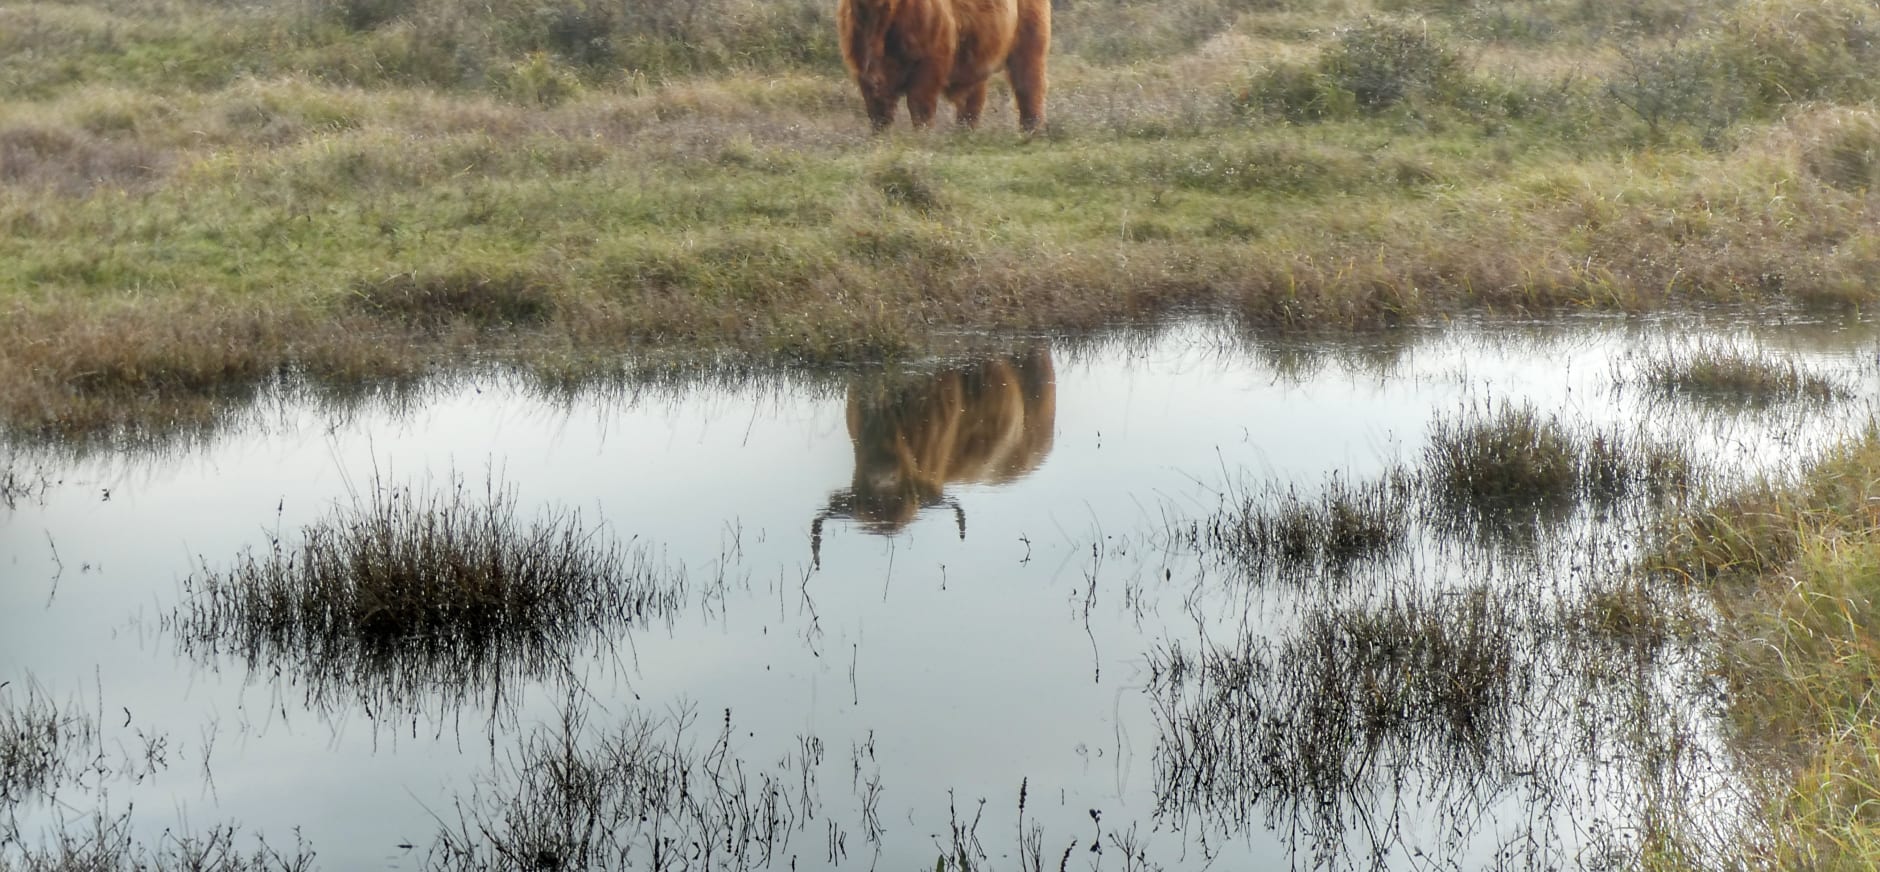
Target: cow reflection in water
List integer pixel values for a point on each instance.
(986, 423)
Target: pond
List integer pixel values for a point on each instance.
(1164, 599)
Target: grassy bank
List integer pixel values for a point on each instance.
(196, 198)
(1794, 568)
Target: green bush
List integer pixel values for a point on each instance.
(1681, 85)
(1762, 57)
(1371, 66)
(1383, 63)
(1296, 93)
(537, 81)
(1783, 51)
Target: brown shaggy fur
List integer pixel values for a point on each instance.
(920, 49)
(988, 423)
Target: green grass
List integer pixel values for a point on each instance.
(1794, 568)
(195, 199)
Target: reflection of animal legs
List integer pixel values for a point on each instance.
(1024, 67)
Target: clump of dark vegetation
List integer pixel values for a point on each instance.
(1344, 524)
(1499, 477)
(1510, 459)
(1734, 377)
(910, 185)
(416, 596)
(1370, 67)
(1512, 465)
(1616, 466)
(1383, 63)
(1634, 611)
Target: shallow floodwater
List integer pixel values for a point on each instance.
(891, 604)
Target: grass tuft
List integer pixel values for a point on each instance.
(1732, 376)
(1511, 458)
(645, 794)
(909, 183)
(414, 593)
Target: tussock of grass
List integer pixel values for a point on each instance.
(1508, 460)
(1731, 375)
(1616, 466)
(416, 594)
(1513, 461)
(73, 163)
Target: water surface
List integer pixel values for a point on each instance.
(886, 596)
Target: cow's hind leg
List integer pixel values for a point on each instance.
(969, 101)
(1024, 67)
(923, 94)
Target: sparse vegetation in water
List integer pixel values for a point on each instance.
(57, 769)
(42, 746)
(17, 484)
(1311, 730)
(110, 844)
(1344, 524)
(652, 793)
(413, 598)
(1728, 375)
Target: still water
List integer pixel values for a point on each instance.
(889, 604)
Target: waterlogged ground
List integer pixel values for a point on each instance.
(1002, 611)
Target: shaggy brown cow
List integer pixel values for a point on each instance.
(919, 49)
(989, 423)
